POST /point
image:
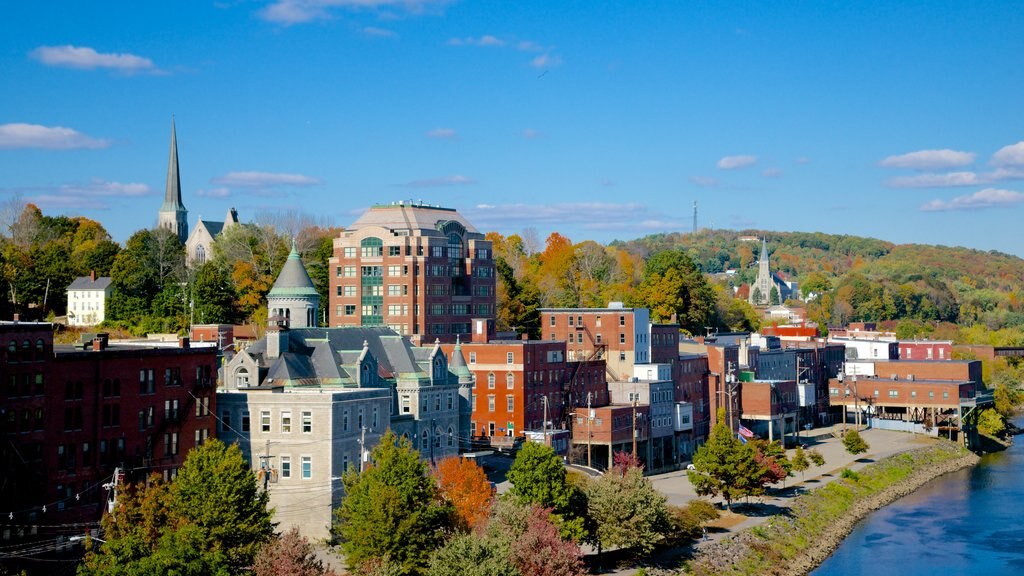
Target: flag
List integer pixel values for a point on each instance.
(741, 439)
(745, 432)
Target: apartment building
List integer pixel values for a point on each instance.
(424, 271)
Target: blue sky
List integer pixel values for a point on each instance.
(602, 120)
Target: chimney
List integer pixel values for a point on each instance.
(16, 317)
(183, 342)
(92, 275)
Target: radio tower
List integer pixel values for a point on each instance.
(694, 216)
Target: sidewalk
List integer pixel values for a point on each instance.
(678, 490)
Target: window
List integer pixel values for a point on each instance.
(147, 381)
(451, 437)
(344, 421)
(394, 250)
(307, 467)
(406, 404)
(552, 322)
(893, 394)
(242, 378)
(622, 356)
(570, 320)
(372, 271)
(171, 444)
(490, 403)
(286, 421)
(349, 291)
(307, 422)
(225, 420)
(490, 380)
(510, 380)
(451, 402)
(472, 357)
(510, 403)
(945, 394)
(394, 270)
(375, 421)
(622, 338)
(350, 310)
(425, 440)
(349, 271)
(597, 321)
(371, 248)
(622, 320)
(510, 358)
(286, 466)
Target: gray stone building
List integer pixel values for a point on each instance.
(769, 288)
(199, 246)
(293, 296)
(173, 216)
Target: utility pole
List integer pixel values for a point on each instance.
(634, 427)
(265, 466)
(362, 449)
(730, 389)
(544, 422)
(590, 418)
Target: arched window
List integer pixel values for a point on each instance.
(451, 437)
(39, 345)
(454, 246)
(490, 380)
(425, 440)
(242, 377)
(437, 438)
(200, 254)
(371, 247)
(510, 380)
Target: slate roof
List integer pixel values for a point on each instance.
(212, 226)
(330, 355)
(87, 283)
(409, 216)
(293, 279)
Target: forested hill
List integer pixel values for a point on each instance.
(878, 280)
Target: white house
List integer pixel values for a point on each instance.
(87, 300)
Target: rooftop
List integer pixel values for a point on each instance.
(88, 283)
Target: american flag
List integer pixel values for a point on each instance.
(745, 432)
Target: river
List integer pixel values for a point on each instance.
(967, 522)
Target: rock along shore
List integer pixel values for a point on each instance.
(813, 556)
(726, 555)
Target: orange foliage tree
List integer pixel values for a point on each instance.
(462, 482)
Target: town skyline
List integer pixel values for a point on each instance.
(600, 122)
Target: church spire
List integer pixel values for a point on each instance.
(173, 215)
(172, 195)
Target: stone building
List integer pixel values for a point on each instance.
(173, 216)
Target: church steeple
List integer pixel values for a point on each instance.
(763, 260)
(173, 215)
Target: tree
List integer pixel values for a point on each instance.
(391, 511)
(463, 483)
(854, 443)
(773, 296)
(991, 423)
(473, 555)
(688, 521)
(538, 477)
(799, 461)
(673, 285)
(290, 553)
(216, 491)
(212, 298)
(626, 510)
(724, 465)
(816, 457)
(212, 519)
(539, 551)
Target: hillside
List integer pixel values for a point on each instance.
(866, 278)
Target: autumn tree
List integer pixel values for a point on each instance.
(673, 286)
(799, 461)
(816, 457)
(391, 511)
(290, 553)
(539, 550)
(463, 484)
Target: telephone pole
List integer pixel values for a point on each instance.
(590, 418)
(544, 423)
(362, 449)
(634, 427)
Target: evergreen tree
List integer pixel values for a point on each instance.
(854, 443)
(725, 466)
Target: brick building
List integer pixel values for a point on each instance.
(73, 415)
(926, 349)
(424, 271)
(515, 378)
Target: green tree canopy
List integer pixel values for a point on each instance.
(391, 510)
(854, 443)
(626, 510)
(538, 477)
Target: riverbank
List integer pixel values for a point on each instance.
(796, 543)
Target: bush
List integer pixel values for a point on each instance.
(849, 475)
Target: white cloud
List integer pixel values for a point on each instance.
(530, 134)
(219, 192)
(947, 180)
(1012, 155)
(929, 160)
(92, 195)
(53, 138)
(379, 32)
(454, 180)
(485, 40)
(264, 179)
(587, 215)
(528, 46)
(546, 61)
(443, 134)
(736, 162)
(289, 12)
(85, 58)
(705, 181)
(987, 198)
(772, 173)
(803, 160)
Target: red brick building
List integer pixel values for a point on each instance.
(73, 415)
(422, 270)
(926, 349)
(964, 370)
(515, 378)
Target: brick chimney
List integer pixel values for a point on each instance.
(92, 275)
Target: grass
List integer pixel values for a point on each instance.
(782, 538)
